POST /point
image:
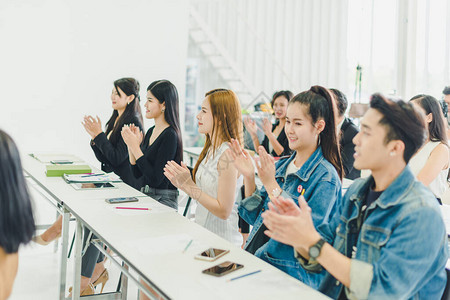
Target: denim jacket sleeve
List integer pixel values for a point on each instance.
(404, 259)
(324, 213)
(250, 207)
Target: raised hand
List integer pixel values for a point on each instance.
(137, 132)
(130, 138)
(92, 126)
(241, 158)
(266, 167)
(250, 125)
(180, 177)
(267, 126)
(296, 230)
(284, 206)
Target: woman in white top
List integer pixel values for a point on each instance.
(216, 181)
(431, 163)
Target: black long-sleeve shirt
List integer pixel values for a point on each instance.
(282, 139)
(348, 132)
(114, 157)
(150, 166)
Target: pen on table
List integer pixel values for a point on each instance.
(245, 275)
(187, 246)
(92, 174)
(127, 207)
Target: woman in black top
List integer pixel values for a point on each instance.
(109, 147)
(161, 144)
(111, 151)
(275, 141)
(16, 214)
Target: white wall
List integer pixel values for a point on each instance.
(59, 58)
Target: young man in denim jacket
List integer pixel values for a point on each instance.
(388, 239)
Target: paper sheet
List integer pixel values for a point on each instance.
(175, 243)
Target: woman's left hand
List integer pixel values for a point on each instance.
(92, 126)
(129, 137)
(180, 177)
(295, 228)
(266, 167)
(267, 126)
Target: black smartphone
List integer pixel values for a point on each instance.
(223, 269)
(121, 200)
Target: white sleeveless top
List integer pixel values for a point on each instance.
(207, 178)
(439, 185)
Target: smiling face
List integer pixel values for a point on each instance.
(371, 150)
(119, 99)
(205, 118)
(300, 131)
(153, 108)
(280, 107)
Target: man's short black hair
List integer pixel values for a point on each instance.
(446, 90)
(402, 122)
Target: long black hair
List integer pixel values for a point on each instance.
(165, 92)
(16, 214)
(129, 86)
(321, 106)
(436, 128)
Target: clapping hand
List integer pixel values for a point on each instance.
(267, 126)
(266, 167)
(92, 126)
(241, 158)
(290, 224)
(250, 125)
(180, 177)
(131, 135)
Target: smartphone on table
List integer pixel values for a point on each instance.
(211, 254)
(223, 269)
(121, 200)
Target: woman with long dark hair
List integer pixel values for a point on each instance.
(16, 215)
(431, 163)
(161, 144)
(111, 150)
(313, 170)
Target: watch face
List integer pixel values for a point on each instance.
(314, 252)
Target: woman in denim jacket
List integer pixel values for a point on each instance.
(391, 246)
(314, 170)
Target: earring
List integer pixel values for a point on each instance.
(392, 153)
(162, 110)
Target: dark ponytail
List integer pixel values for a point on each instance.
(321, 105)
(129, 86)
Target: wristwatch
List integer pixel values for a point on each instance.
(314, 250)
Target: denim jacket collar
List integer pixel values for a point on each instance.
(306, 170)
(393, 194)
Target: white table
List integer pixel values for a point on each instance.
(152, 244)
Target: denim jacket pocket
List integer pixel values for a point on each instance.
(373, 239)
